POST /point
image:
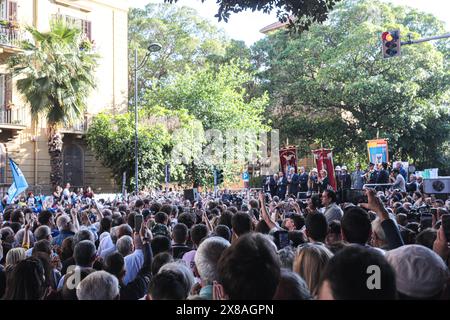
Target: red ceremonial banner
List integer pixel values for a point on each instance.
(324, 160)
(288, 158)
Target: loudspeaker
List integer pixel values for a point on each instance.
(437, 185)
(191, 195)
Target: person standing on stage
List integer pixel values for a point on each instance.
(281, 185)
(371, 174)
(357, 177)
(293, 181)
(323, 181)
(303, 180)
(273, 187)
(346, 180)
(313, 181)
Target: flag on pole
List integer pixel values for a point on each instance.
(19, 184)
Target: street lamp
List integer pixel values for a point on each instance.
(153, 47)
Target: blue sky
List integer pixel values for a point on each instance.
(246, 25)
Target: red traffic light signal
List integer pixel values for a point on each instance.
(391, 43)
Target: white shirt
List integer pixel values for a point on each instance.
(106, 245)
(133, 264)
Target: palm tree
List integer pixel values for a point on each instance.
(56, 75)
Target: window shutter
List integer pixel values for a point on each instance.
(8, 90)
(12, 10)
(87, 29)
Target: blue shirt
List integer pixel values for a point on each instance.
(60, 238)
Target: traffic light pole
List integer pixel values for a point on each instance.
(215, 182)
(425, 39)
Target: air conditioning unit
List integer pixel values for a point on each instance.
(437, 185)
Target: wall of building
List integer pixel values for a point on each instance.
(109, 32)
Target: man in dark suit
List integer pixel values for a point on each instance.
(345, 178)
(372, 174)
(293, 181)
(282, 184)
(303, 180)
(383, 175)
(273, 185)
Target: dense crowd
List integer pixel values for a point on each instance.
(232, 245)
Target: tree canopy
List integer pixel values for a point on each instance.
(331, 85)
(187, 41)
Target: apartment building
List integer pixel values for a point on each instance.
(25, 140)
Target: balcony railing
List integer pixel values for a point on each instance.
(13, 117)
(77, 127)
(10, 36)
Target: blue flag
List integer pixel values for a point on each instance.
(19, 184)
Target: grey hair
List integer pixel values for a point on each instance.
(287, 256)
(81, 235)
(113, 234)
(207, 256)
(180, 267)
(63, 222)
(99, 285)
(125, 245)
(42, 232)
(378, 230)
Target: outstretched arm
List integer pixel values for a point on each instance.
(270, 223)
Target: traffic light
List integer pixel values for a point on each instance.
(391, 43)
(218, 177)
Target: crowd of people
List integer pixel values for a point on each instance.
(228, 246)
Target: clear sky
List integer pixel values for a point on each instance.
(246, 25)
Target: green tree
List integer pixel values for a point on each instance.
(218, 99)
(331, 85)
(112, 140)
(187, 41)
(56, 76)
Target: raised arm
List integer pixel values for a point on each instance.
(270, 223)
(393, 236)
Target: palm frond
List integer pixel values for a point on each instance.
(56, 76)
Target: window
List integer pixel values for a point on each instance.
(3, 10)
(84, 25)
(8, 10)
(73, 165)
(2, 91)
(12, 10)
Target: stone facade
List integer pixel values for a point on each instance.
(24, 140)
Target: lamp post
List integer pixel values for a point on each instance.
(153, 47)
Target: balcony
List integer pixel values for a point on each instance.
(78, 128)
(13, 119)
(11, 123)
(10, 38)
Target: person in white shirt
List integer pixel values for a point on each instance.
(332, 210)
(399, 182)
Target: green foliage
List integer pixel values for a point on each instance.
(57, 73)
(112, 140)
(331, 85)
(218, 99)
(187, 41)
